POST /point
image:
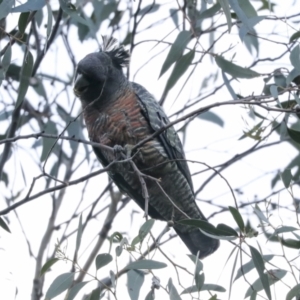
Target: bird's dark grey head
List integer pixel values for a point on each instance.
(99, 75)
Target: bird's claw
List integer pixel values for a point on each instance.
(118, 150)
(128, 149)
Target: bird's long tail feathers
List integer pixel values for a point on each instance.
(197, 241)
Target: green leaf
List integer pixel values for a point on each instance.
(79, 234)
(235, 70)
(226, 9)
(135, 280)
(247, 8)
(241, 14)
(274, 90)
(228, 86)
(25, 75)
(119, 250)
(286, 177)
(283, 229)
(294, 36)
(145, 265)
(260, 214)
(294, 292)
(209, 229)
(102, 260)
(49, 19)
(244, 269)
(204, 225)
(48, 265)
(251, 42)
(112, 278)
(292, 75)
(176, 50)
(212, 117)
(226, 230)
(290, 243)
(6, 59)
(272, 277)
(150, 296)
(210, 12)
(280, 79)
(237, 217)
(179, 69)
(259, 265)
(174, 16)
(5, 8)
(75, 289)
(294, 135)
(173, 294)
(60, 284)
(295, 57)
(149, 9)
(71, 10)
(30, 5)
(4, 225)
(199, 279)
(253, 295)
(205, 287)
(213, 287)
(135, 241)
(197, 262)
(22, 23)
(95, 294)
(47, 142)
(145, 229)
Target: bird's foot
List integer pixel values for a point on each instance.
(118, 150)
(128, 150)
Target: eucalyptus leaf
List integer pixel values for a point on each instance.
(286, 177)
(244, 269)
(179, 69)
(75, 289)
(102, 260)
(294, 36)
(176, 50)
(295, 57)
(173, 294)
(4, 225)
(30, 5)
(259, 265)
(226, 9)
(48, 265)
(272, 277)
(59, 285)
(294, 292)
(145, 229)
(237, 217)
(212, 117)
(26, 72)
(145, 264)
(47, 142)
(135, 280)
(5, 8)
(235, 70)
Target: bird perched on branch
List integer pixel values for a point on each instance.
(117, 113)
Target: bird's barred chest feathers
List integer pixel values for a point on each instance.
(122, 123)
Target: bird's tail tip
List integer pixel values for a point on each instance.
(197, 241)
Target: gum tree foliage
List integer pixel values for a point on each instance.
(228, 74)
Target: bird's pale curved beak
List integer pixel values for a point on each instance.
(80, 84)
